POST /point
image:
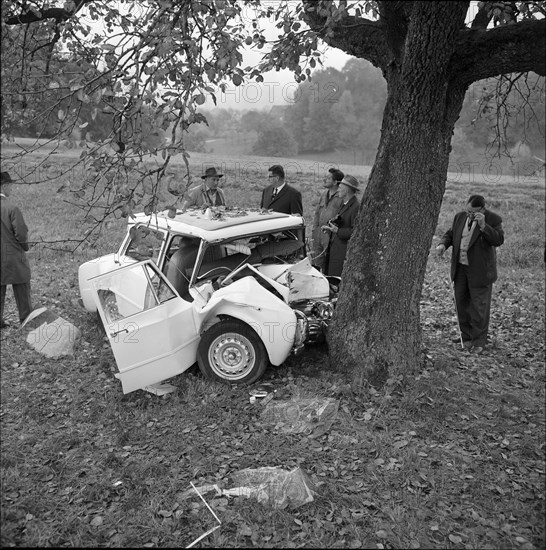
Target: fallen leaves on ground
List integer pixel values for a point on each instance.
(453, 457)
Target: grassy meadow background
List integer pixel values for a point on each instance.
(451, 458)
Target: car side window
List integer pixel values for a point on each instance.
(145, 243)
(131, 291)
(162, 290)
(283, 246)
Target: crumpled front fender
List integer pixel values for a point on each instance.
(247, 300)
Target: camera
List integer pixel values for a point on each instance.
(335, 221)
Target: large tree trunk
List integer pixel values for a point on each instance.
(376, 328)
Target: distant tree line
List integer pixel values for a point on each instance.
(339, 111)
(342, 111)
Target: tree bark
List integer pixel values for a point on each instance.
(376, 329)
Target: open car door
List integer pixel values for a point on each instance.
(152, 330)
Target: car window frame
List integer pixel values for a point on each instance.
(204, 245)
(162, 250)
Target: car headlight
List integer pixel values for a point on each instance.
(324, 310)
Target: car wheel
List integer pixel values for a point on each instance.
(231, 352)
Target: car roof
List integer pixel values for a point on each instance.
(225, 224)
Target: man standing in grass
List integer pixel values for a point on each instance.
(340, 228)
(327, 209)
(279, 196)
(208, 193)
(15, 269)
(474, 235)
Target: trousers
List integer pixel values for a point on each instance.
(21, 291)
(473, 307)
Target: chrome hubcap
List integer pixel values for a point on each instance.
(231, 356)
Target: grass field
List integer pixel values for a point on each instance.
(452, 458)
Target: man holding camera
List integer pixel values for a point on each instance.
(341, 226)
(474, 234)
(327, 209)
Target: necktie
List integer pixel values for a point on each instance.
(212, 196)
(469, 224)
(274, 195)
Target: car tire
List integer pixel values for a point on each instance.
(232, 352)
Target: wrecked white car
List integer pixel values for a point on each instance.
(232, 290)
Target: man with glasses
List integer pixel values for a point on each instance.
(279, 196)
(474, 235)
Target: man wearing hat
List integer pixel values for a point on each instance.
(208, 193)
(13, 241)
(279, 196)
(327, 208)
(340, 227)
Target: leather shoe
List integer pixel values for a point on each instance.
(477, 349)
(466, 343)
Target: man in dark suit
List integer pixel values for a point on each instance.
(341, 227)
(279, 196)
(474, 235)
(13, 241)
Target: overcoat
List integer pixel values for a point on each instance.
(339, 241)
(482, 255)
(327, 209)
(15, 268)
(288, 200)
(198, 196)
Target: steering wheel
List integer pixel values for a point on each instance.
(207, 274)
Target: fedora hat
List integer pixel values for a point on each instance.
(211, 172)
(350, 181)
(5, 178)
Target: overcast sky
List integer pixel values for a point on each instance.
(277, 89)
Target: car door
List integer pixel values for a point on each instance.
(152, 331)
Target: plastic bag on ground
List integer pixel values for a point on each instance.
(273, 486)
(312, 417)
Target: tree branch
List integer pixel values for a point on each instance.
(395, 20)
(519, 47)
(59, 14)
(356, 36)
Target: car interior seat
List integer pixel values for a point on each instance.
(178, 268)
